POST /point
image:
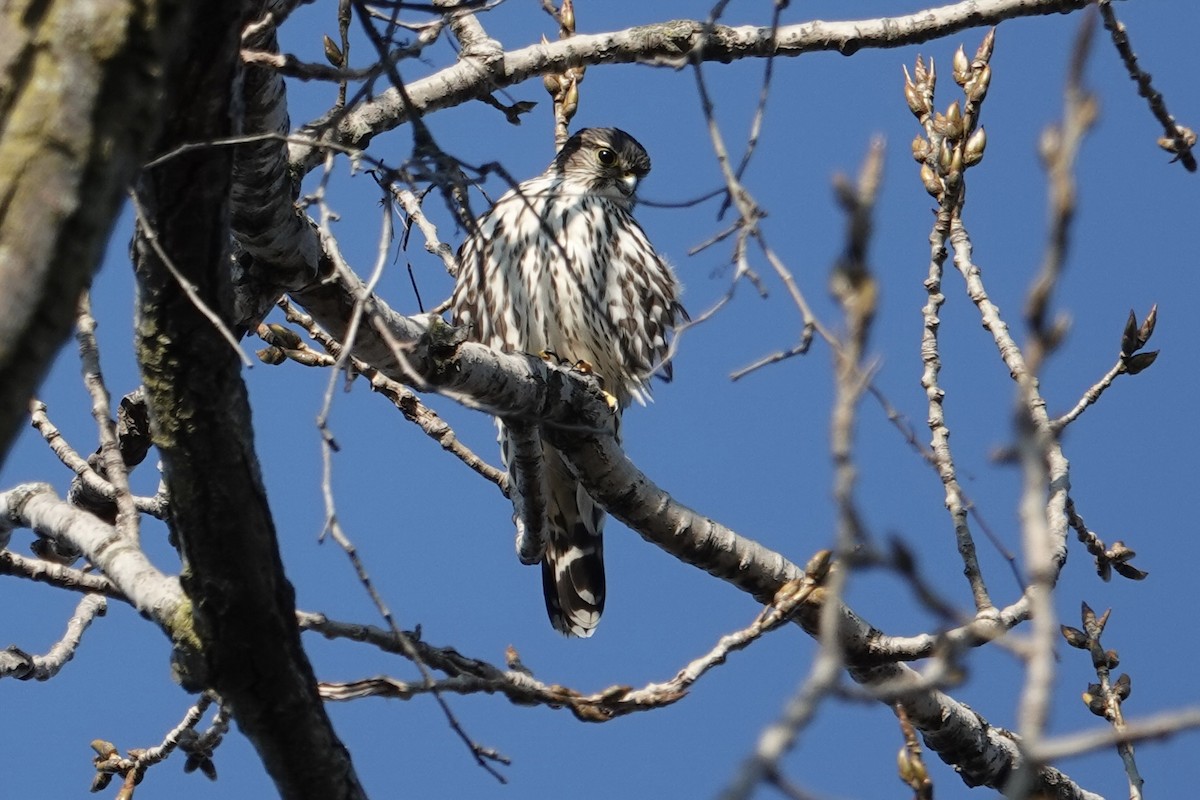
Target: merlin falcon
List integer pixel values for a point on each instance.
(559, 267)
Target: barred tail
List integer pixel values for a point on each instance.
(573, 566)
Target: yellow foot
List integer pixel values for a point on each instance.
(586, 368)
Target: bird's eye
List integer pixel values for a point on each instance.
(606, 157)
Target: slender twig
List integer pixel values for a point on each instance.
(468, 676)
(483, 756)
(96, 483)
(412, 208)
(911, 762)
(1106, 697)
(942, 155)
(132, 768)
(1059, 147)
(115, 470)
(16, 663)
(1160, 726)
(404, 399)
(1177, 139)
(1090, 396)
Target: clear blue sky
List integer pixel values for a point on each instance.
(752, 454)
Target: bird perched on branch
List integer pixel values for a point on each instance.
(559, 267)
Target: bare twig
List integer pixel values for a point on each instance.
(911, 763)
(1059, 148)
(1160, 726)
(1105, 698)
(468, 676)
(132, 768)
(15, 663)
(1177, 139)
(412, 208)
(110, 453)
(483, 756)
(155, 506)
(400, 395)
(942, 153)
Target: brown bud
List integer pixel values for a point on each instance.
(945, 159)
(913, 97)
(984, 53)
(566, 18)
(920, 75)
(818, 566)
(1131, 572)
(271, 355)
(1129, 337)
(1147, 329)
(1095, 704)
(962, 67)
(104, 749)
(1136, 363)
(954, 121)
(973, 149)
(1075, 637)
(283, 336)
(1120, 552)
(333, 54)
(570, 103)
(930, 180)
(1183, 140)
(920, 148)
(1123, 686)
(977, 87)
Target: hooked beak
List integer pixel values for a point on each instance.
(628, 183)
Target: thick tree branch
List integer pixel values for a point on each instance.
(266, 223)
(242, 604)
(140, 583)
(82, 80)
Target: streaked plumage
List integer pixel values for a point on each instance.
(559, 265)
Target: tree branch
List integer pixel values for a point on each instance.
(672, 42)
(242, 605)
(82, 85)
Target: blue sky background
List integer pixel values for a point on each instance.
(752, 454)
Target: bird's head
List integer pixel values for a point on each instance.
(606, 161)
